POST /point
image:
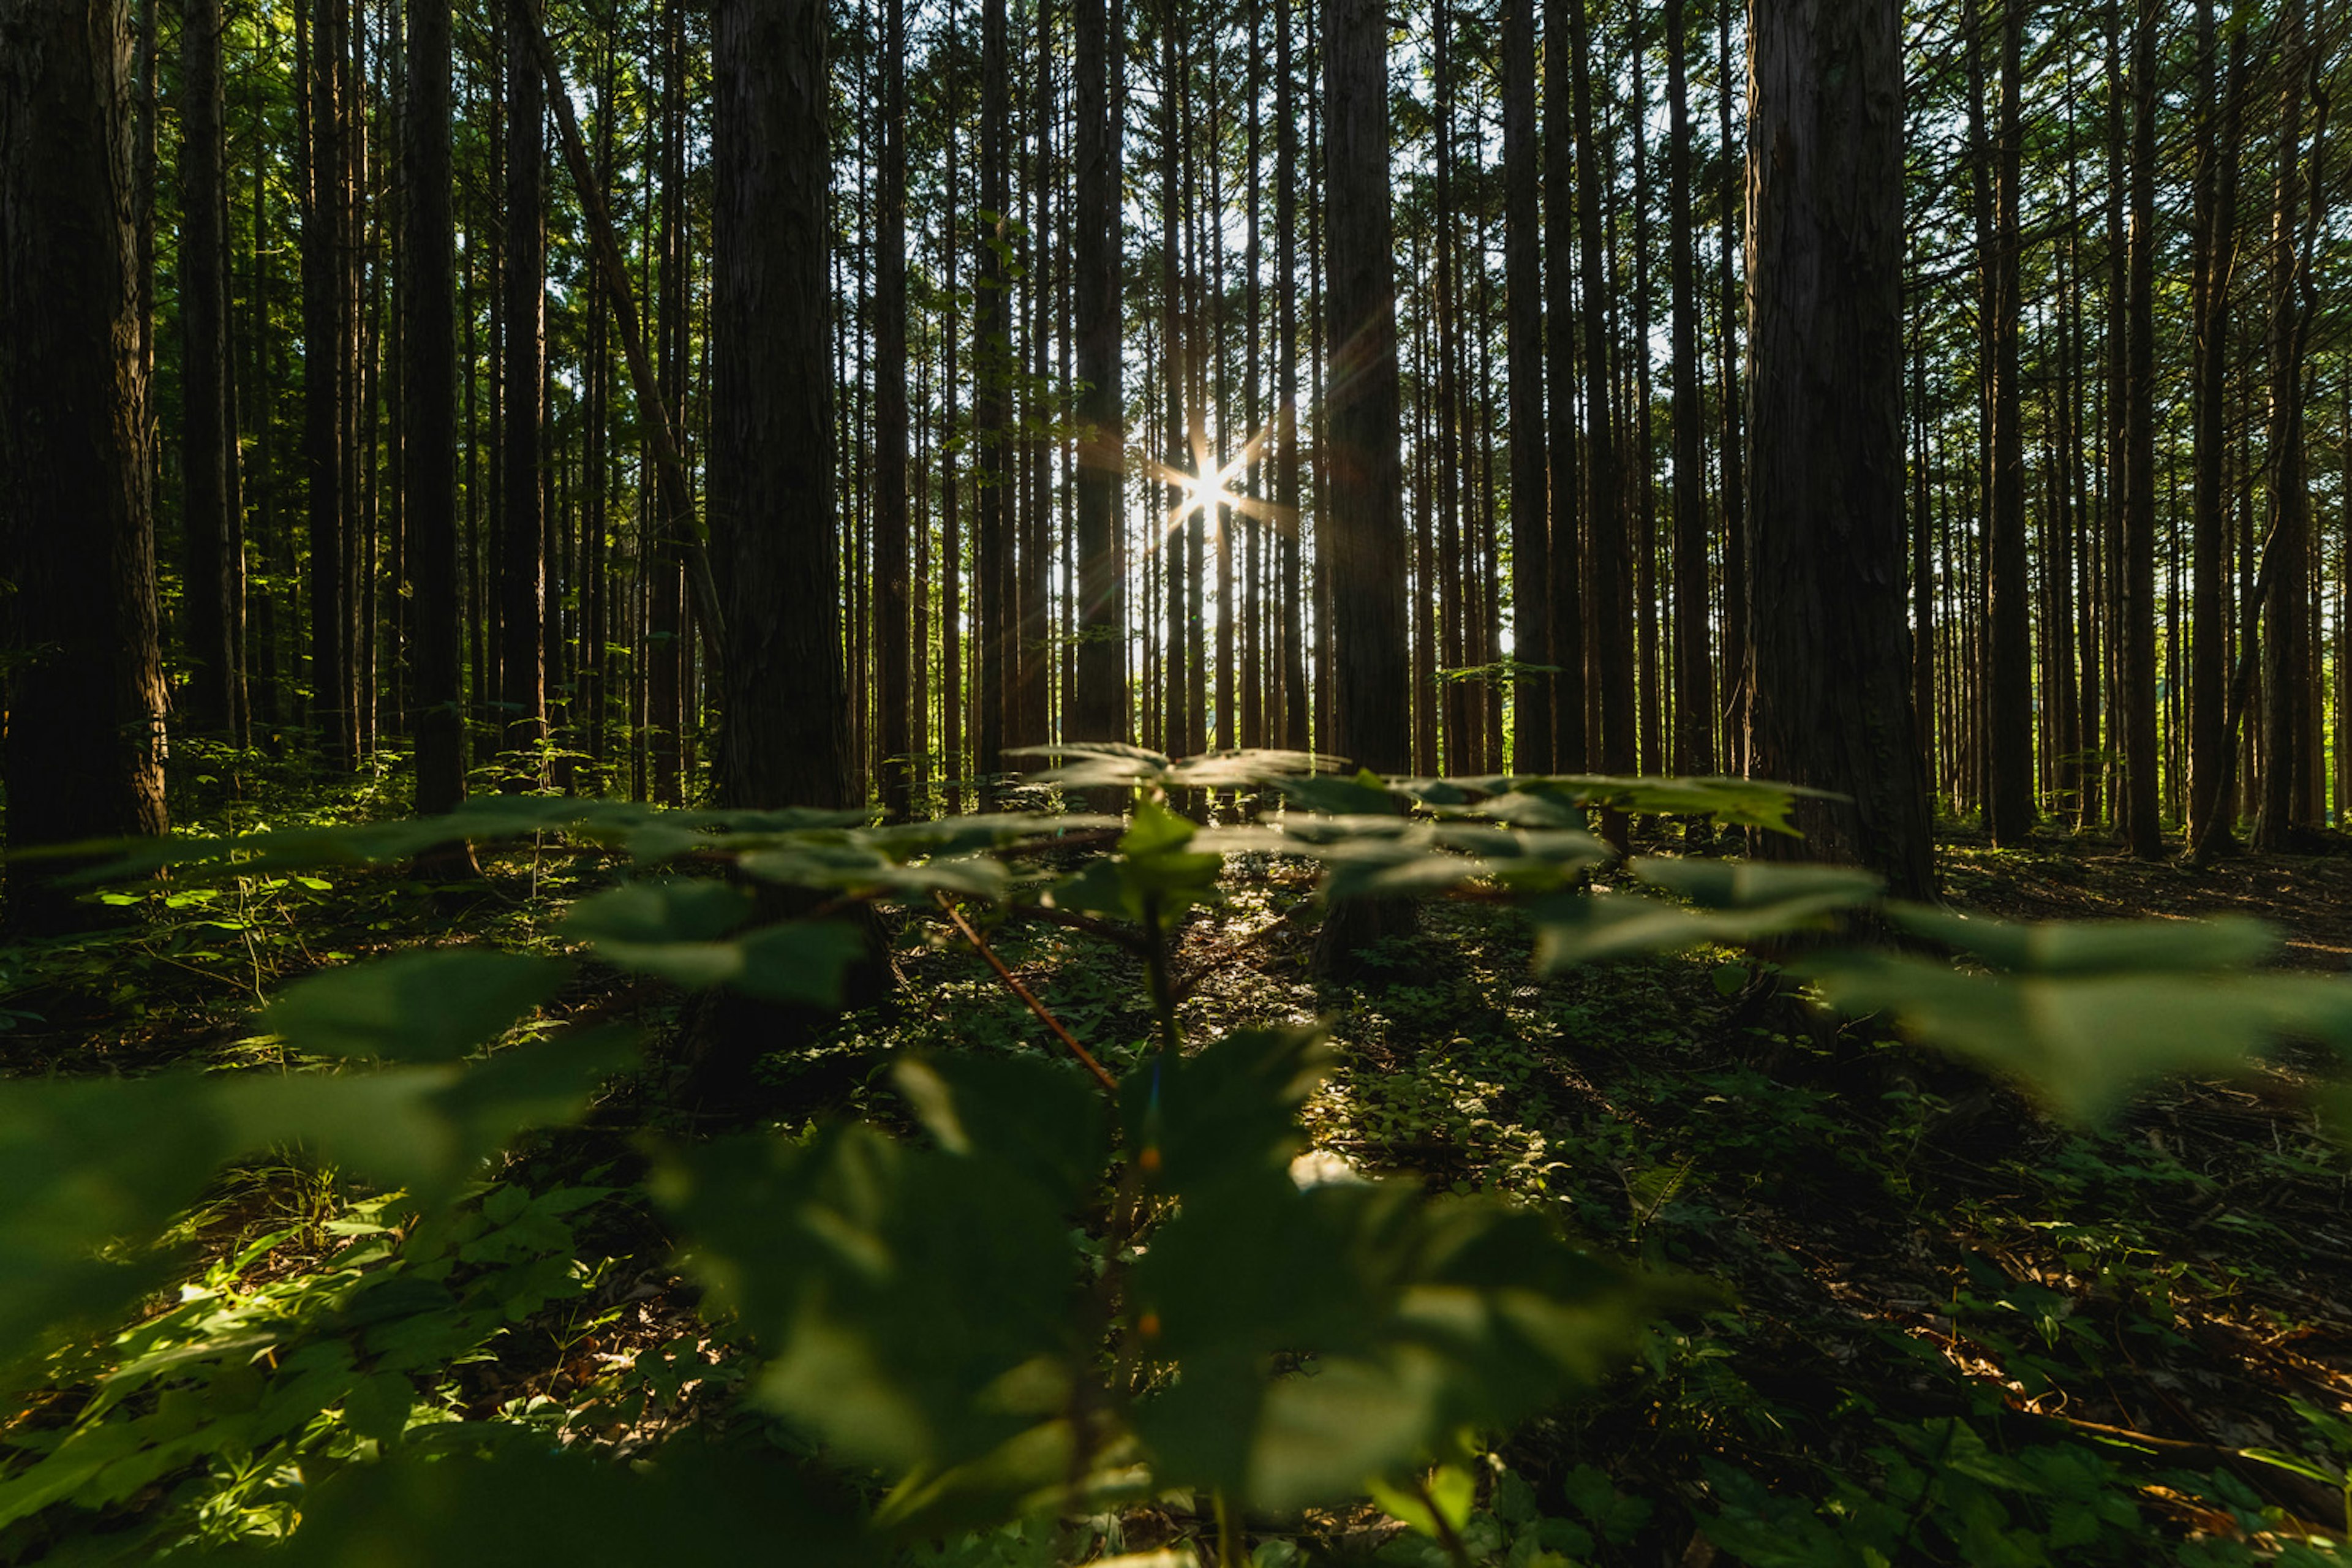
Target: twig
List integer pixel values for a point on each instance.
(1010, 979)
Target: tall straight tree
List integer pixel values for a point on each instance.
(1098, 700)
(324, 181)
(2142, 826)
(2009, 709)
(992, 413)
(2286, 607)
(1693, 654)
(213, 589)
(1608, 629)
(82, 755)
(1571, 734)
(1531, 569)
(1832, 703)
(775, 540)
(523, 500)
(893, 571)
(2213, 744)
(429, 410)
(1364, 517)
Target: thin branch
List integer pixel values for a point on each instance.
(1012, 980)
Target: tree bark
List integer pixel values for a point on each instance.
(212, 587)
(2143, 825)
(522, 696)
(785, 730)
(83, 750)
(1531, 565)
(428, 405)
(1832, 701)
(893, 573)
(2010, 799)
(1366, 514)
(1098, 705)
(1694, 655)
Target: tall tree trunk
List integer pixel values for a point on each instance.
(1099, 701)
(785, 733)
(893, 573)
(1831, 702)
(1610, 627)
(326, 366)
(522, 698)
(2285, 608)
(1730, 194)
(1531, 567)
(2143, 825)
(1572, 735)
(1366, 521)
(211, 590)
(992, 413)
(2212, 755)
(1694, 657)
(1296, 710)
(83, 757)
(2010, 796)
(428, 405)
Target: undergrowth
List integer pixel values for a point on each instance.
(1837, 1299)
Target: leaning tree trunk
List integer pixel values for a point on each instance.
(1831, 708)
(83, 753)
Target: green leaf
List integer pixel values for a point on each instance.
(914, 1302)
(1043, 1118)
(2085, 1041)
(1229, 1113)
(424, 1129)
(2082, 947)
(669, 928)
(1742, 901)
(417, 1006)
(690, 1507)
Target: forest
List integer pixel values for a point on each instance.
(1496, 784)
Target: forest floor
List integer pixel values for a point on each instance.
(1951, 1330)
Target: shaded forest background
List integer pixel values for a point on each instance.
(2127, 415)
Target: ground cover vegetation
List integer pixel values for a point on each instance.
(1607, 1218)
(543, 1018)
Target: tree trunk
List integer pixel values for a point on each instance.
(785, 732)
(1832, 701)
(1099, 701)
(1694, 657)
(212, 587)
(893, 575)
(428, 385)
(2009, 797)
(1531, 565)
(522, 505)
(2143, 825)
(1366, 513)
(83, 750)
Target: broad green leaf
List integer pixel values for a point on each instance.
(424, 1129)
(2084, 947)
(673, 929)
(1739, 901)
(801, 963)
(686, 1507)
(1407, 1321)
(429, 1006)
(1043, 1118)
(914, 1303)
(1230, 1113)
(2085, 1041)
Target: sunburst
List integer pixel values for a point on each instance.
(1209, 490)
